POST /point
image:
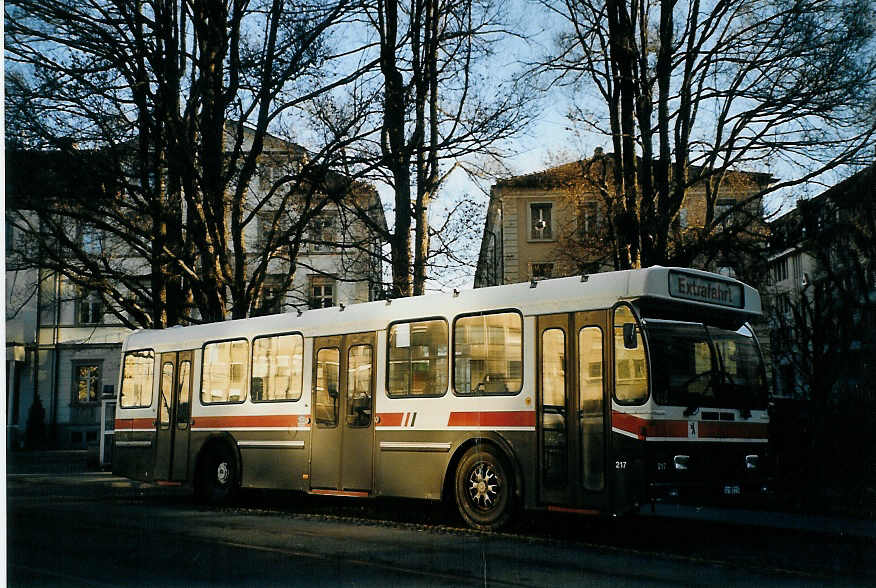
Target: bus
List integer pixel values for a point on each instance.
(578, 394)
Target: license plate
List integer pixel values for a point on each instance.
(732, 490)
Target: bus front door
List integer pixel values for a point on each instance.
(172, 435)
(572, 410)
(343, 423)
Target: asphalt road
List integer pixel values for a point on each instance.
(93, 529)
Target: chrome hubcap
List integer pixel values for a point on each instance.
(484, 486)
(223, 473)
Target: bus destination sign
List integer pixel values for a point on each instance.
(701, 289)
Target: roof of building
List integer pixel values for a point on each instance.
(571, 173)
(75, 174)
(850, 191)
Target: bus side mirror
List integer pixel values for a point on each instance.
(630, 340)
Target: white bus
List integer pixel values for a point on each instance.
(571, 394)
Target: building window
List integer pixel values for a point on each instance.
(724, 206)
(540, 221)
(273, 172)
(271, 295)
(587, 220)
(797, 264)
(87, 382)
(322, 292)
(541, 271)
(90, 308)
(780, 270)
(323, 233)
(90, 239)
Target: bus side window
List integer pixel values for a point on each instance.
(630, 373)
(277, 368)
(137, 371)
(417, 359)
(224, 371)
(166, 395)
(359, 386)
(327, 378)
(488, 354)
(182, 409)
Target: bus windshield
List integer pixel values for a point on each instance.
(695, 365)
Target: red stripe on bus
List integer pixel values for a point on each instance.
(640, 427)
(236, 422)
(679, 429)
(127, 424)
(497, 418)
(390, 419)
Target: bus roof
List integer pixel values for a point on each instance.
(693, 290)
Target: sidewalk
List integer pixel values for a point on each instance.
(51, 461)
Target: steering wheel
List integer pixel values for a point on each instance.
(699, 376)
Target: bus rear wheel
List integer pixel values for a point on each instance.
(483, 489)
(216, 478)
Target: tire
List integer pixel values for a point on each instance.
(217, 479)
(484, 488)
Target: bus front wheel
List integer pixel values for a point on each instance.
(483, 488)
(216, 481)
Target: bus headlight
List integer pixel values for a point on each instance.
(681, 462)
(752, 462)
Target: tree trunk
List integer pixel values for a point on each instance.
(395, 151)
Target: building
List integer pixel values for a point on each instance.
(63, 341)
(822, 293)
(555, 222)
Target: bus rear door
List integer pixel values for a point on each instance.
(343, 401)
(572, 410)
(174, 400)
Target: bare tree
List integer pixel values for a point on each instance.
(142, 92)
(823, 337)
(687, 92)
(436, 110)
